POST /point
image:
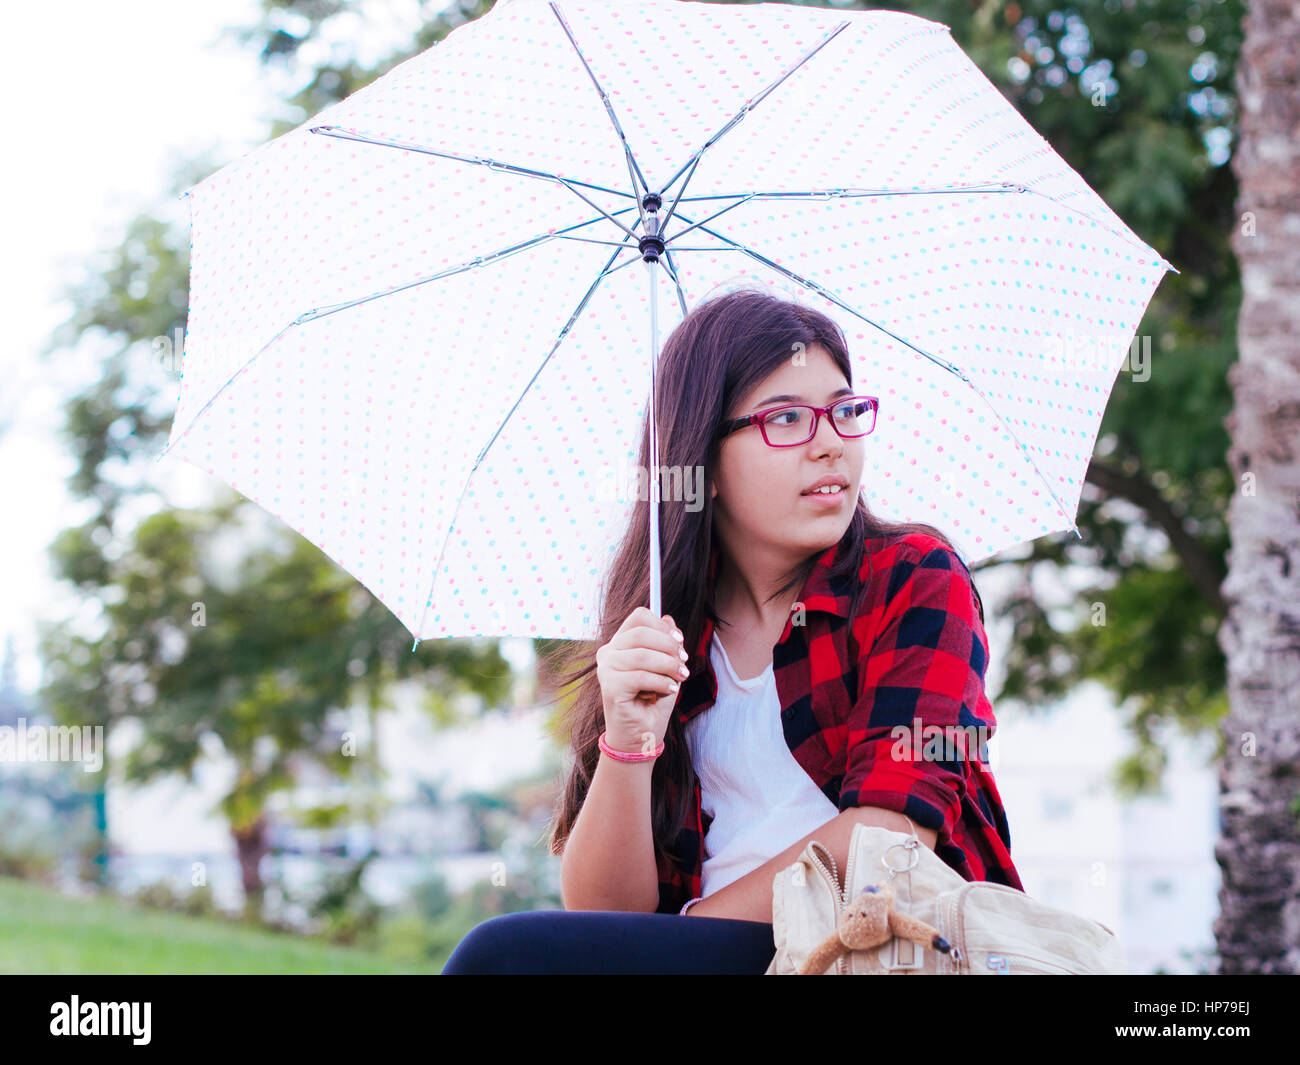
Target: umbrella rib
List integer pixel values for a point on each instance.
(465, 484)
(565, 183)
(821, 194)
(640, 203)
(609, 107)
(853, 193)
(715, 214)
(671, 210)
(321, 312)
(491, 164)
(635, 259)
(838, 193)
(481, 260)
(672, 272)
(745, 109)
(750, 104)
(1109, 229)
(592, 240)
(950, 367)
(956, 370)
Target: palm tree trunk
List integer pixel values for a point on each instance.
(1258, 929)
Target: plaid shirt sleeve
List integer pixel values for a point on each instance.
(677, 883)
(680, 872)
(926, 665)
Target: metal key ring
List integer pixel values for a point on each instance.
(912, 847)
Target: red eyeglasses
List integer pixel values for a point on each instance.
(795, 424)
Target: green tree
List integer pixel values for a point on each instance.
(263, 654)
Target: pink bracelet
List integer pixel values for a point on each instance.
(682, 912)
(626, 756)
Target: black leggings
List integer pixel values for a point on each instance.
(608, 942)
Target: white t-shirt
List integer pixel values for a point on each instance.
(761, 800)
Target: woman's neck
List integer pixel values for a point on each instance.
(741, 608)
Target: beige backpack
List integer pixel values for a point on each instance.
(991, 928)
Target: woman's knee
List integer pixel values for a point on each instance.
(490, 945)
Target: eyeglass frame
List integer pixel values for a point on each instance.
(736, 424)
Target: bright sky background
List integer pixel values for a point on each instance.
(107, 106)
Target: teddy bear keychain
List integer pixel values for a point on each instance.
(871, 920)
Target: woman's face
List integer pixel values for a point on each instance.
(759, 491)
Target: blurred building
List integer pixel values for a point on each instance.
(37, 794)
(434, 796)
(13, 704)
(1145, 868)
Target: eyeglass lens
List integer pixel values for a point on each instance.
(794, 425)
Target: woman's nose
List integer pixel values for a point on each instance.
(826, 436)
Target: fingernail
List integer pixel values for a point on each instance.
(672, 686)
(677, 635)
(685, 672)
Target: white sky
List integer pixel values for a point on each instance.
(105, 107)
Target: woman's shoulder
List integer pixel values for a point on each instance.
(910, 548)
(897, 557)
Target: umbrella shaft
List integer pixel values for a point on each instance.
(651, 265)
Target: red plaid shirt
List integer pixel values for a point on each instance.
(920, 625)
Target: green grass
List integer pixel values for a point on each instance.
(43, 931)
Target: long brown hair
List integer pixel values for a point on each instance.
(720, 350)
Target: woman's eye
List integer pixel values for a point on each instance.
(791, 417)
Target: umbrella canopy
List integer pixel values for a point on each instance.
(413, 338)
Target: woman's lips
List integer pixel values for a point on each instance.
(829, 500)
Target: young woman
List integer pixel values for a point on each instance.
(809, 631)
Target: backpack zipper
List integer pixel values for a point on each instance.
(1001, 961)
(831, 876)
(952, 910)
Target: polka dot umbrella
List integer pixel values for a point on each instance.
(413, 338)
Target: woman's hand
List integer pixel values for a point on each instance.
(640, 671)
